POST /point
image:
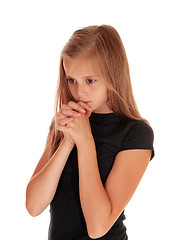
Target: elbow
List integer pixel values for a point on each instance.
(33, 207)
(32, 210)
(96, 235)
(99, 232)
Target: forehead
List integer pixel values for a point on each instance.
(81, 66)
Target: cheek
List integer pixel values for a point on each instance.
(72, 93)
(102, 92)
(71, 89)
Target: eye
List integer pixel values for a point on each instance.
(70, 80)
(90, 81)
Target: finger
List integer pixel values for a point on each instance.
(60, 114)
(76, 106)
(61, 128)
(65, 106)
(64, 128)
(70, 112)
(85, 105)
(64, 121)
(89, 113)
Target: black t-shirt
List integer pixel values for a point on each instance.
(112, 133)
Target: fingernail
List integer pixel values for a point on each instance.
(82, 110)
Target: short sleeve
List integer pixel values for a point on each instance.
(138, 135)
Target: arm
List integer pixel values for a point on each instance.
(42, 186)
(94, 200)
(103, 205)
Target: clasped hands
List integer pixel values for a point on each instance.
(73, 121)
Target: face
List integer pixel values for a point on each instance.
(86, 83)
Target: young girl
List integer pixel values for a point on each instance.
(98, 146)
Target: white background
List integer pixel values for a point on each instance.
(32, 36)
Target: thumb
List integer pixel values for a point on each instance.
(88, 113)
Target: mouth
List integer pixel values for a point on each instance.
(86, 101)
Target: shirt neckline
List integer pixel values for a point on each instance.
(103, 116)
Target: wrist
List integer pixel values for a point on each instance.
(85, 142)
(68, 143)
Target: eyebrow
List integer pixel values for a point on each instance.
(83, 77)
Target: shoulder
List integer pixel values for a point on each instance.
(138, 134)
(138, 127)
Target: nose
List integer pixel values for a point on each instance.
(81, 91)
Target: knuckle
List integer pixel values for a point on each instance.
(63, 106)
(82, 104)
(58, 123)
(70, 103)
(59, 115)
(58, 127)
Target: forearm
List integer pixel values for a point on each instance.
(95, 202)
(42, 187)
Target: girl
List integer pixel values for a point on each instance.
(98, 146)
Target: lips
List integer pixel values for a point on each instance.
(86, 101)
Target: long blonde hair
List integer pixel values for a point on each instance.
(105, 45)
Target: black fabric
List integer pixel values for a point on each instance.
(112, 133)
